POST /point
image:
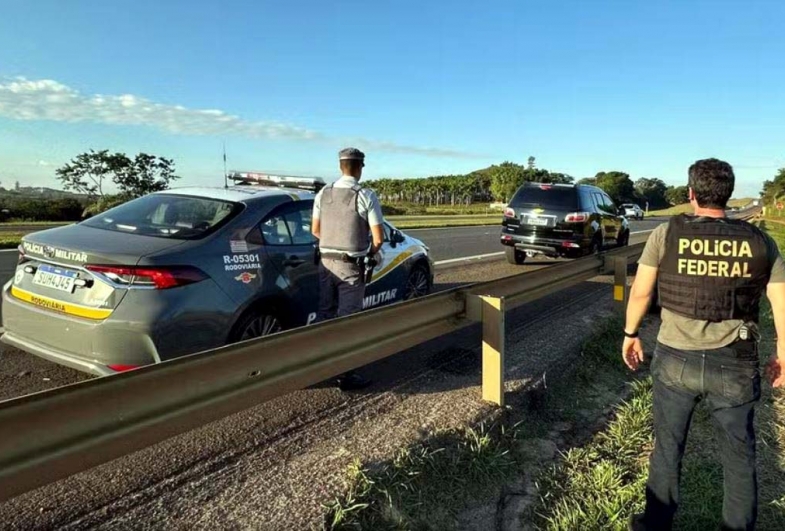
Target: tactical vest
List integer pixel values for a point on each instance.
(342, 226)
(713, 269)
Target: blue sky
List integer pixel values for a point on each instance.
(423, 87)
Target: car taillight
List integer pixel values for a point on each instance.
(509, 213)
(22, 257)
(151, 277)
(577, 217)
(123, 368)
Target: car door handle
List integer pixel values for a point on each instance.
(293, 261)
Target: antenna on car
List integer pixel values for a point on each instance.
(226, 177)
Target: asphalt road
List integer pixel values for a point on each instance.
(445, 243)
(457, 242)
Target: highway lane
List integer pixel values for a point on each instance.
(456, 242)
(445, 243)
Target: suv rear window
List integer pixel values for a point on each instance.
(172, 216)
(546, 196)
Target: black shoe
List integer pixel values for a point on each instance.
(636, 523)
(351, 381)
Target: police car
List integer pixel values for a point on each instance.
(182, 271)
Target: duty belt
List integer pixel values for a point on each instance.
(343, 257)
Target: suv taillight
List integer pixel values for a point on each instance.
(509, 213)
(150, 277)
(577, 217)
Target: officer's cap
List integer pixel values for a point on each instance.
(351, 153)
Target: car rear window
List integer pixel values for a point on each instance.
(546, 196)
(172, 216)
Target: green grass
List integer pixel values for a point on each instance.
(598, 485)
(25, 223)
(10, 240)
(425, 222)
(686, 208)
(427, 485)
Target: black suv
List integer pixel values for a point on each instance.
(561, 220)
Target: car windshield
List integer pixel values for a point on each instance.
(546, 196)
(167, 216)
(627, 205)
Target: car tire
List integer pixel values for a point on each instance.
(596, 246)
(514, 256)
(254, 325)
(624, 239)
(417, 284)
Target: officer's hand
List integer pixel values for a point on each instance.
(775, 372)
(632, 352)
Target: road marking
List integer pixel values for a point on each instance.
(465, 258)
(9, 250)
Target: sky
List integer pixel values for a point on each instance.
(424, 88)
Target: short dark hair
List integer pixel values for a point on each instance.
(349, 165)
(712, 181)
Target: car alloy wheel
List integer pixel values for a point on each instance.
(260, 326)
(417, 284)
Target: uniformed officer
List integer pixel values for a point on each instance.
(347, 220)
(711, 273)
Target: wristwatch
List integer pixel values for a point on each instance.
(632, 335)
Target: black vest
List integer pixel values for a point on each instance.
(713, 269)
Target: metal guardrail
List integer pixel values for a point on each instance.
(50, 435)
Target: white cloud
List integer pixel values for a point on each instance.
(44, 163)
(45, 99)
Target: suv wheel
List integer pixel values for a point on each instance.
(596, 247)
(514, 256)
(254, 325)
(624, 239)
(417, 285)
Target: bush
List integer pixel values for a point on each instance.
(29, 209)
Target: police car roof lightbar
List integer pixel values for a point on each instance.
(282, 181)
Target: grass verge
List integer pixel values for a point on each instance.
(428, 222)
(10, 240)
(598, 485)
(12, 224)
(687, 209)
(431, 484)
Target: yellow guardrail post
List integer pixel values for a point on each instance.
(493, 342)
(620, 290)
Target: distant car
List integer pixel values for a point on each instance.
(561, 220)
(631, 210)
(182, 271)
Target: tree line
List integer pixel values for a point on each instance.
(93, 173)
(499, 182)
(774, 190)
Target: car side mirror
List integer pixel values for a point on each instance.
(396, 237)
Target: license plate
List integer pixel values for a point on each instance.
(534, 220)
(55, 278)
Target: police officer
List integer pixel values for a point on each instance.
(710, 272)
(347, 220)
